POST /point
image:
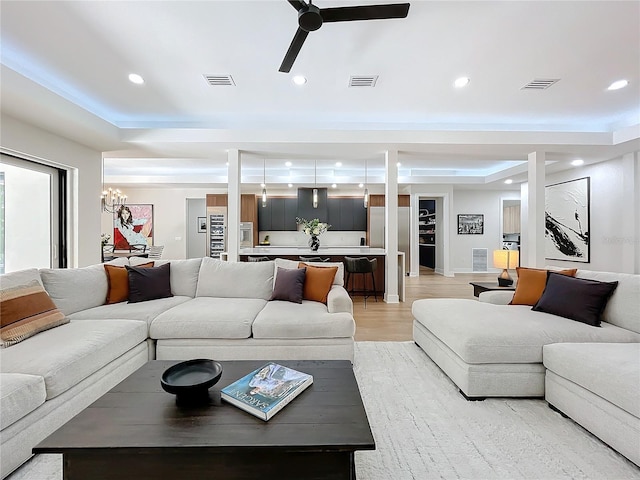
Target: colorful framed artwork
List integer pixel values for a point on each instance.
(566, 221)
(133, 225)
(470, 224)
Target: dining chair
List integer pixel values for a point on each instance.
(137, 248)
(107, 252)
(155, 251)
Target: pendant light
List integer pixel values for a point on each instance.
(315, 190)
(264, 182)
(366, 190)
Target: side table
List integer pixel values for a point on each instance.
(479, 287)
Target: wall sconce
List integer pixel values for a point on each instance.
(505, 259)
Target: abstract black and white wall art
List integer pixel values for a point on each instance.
(470, 224)
(566, 213)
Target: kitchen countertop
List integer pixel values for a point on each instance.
(306, 251)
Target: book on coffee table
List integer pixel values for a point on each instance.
(266, 390)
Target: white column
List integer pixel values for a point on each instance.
(233, 205)
(391, 232)
(535, 221)
(630, 250)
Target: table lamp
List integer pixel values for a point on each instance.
(505, 259)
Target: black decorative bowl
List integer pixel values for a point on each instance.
(191, 379)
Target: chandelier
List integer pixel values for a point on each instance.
(112, 200)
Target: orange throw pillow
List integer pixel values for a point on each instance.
(118, 280)
(531, 283)
(317, 282)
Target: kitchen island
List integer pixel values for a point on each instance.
(335, 254)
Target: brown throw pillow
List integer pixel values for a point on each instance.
(26, 310)
(317, 282)
(531, 283)
(118, 281)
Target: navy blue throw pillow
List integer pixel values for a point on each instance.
(289, 285)
(577, 299)
(149, 283)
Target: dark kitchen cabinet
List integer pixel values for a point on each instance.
(278, 215)
(305, 204)
(347, 214)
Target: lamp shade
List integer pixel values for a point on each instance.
(505, 258)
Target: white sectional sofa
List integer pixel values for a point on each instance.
(218, 310)
(592, 374)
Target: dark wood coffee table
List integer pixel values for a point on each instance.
(137, 431)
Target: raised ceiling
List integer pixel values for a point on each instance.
(65, 67)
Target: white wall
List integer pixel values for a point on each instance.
(169, 215)
(610, 213)
(488, 203)
(84, 167)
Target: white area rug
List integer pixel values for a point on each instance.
(425, 429)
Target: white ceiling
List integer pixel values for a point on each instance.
(65, 68)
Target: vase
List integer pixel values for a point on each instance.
(314, 243)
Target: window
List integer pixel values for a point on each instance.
(31, 215)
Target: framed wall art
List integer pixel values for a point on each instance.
(202, 224)
(470, 224)
(133, 225)
(566, 220)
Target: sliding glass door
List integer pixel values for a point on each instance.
(30, 215)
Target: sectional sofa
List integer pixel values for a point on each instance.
(216, 310)
(490, 348)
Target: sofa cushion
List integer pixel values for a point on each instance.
(26, 310)
(610, 370)
(184, 274)
(578, 299)
(531, 283)
(142, 311)
(75, 289)
(306, 320)
(208, 317)
(337, 280)
(66, 355)
(485, 333)
(623, 308)
(20, 277)
(20, 395)
(235, 279)
(317, 282)
(289, 285)
(118, 282)
(149, 283)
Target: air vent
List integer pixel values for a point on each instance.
(479, 259)
(363, 80)
(219, 80)
(540, 84)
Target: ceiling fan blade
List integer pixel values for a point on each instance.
(294, 49)
(297, 4)
(364, 12)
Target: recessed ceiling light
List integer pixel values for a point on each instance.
(508, 181)
(577, 162)
(227, 164)
(338, 164)
(361, 185)
(135, 78)
(398, 164)
(262, 185)
(333, 185)
(617, 85)
(288, 164)
(299, 80)
(290, 185)
(461, 82)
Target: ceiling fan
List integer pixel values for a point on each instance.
(311, 18)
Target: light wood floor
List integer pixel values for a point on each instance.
(393, 322)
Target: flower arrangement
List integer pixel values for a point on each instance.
(313, 227)
(104, 238)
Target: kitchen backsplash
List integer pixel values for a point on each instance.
(299, 239)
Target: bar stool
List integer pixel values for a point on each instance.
(258, 259)
(313, 259)
(362, 266)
